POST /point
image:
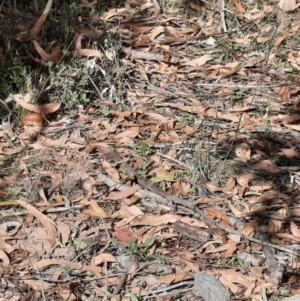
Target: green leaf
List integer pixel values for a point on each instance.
(149, 242)
(160, 258)
(78, 243)
(240, 262)
(163, 244)
(284, 292)
(133, 247)
(191, 190)
(105, 111)
(142, 173)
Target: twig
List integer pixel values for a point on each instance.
(120, 284)
(216, 5)
(91, 244)
(175, 293)
(269, 50)
(41, 285)
(106, 282)
(171, 159)
(160, 201)
(248, 86)
(168, 288)
(223, 16)
(50, 210)
(96, 88)
(40, 278)
(203, 215)
(62, 129)
(108, 236)
(156, 4)
(64, 280)
(9, 113)
(110, 153)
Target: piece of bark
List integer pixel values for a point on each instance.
(191, 231)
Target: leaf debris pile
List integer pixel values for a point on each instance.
(176, 152)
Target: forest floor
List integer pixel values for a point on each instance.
(144, 142)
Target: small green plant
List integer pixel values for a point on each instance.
(141, 252)
(238, 94)
(105, 111)
(285, 292)
(13, 80)
(14, 194)
(90, 274)
(275, 65)
(69, 272)
(84, 98)
(191, 190)
(211, 168)
(235, 262)
(188, 119)
(265, 111)
(163, 244)
(78, 243)
(123, 171)
(119, 107)
(292, 70)
(12, 137)
(143, 83)
(143, 148)
(143, 170)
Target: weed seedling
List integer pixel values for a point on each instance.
(143, 170)
(238, 94)
(84, 98)
(143, 148)
(105, 111)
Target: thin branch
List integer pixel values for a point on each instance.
(168, 288)
(108, 236)
(159, 200)
(240, 86)
(171, 159)
(50, 210)
(203, 215)
(223, 18)
(106, 282)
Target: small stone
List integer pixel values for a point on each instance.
(210, 288)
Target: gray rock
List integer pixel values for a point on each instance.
(210, 288)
